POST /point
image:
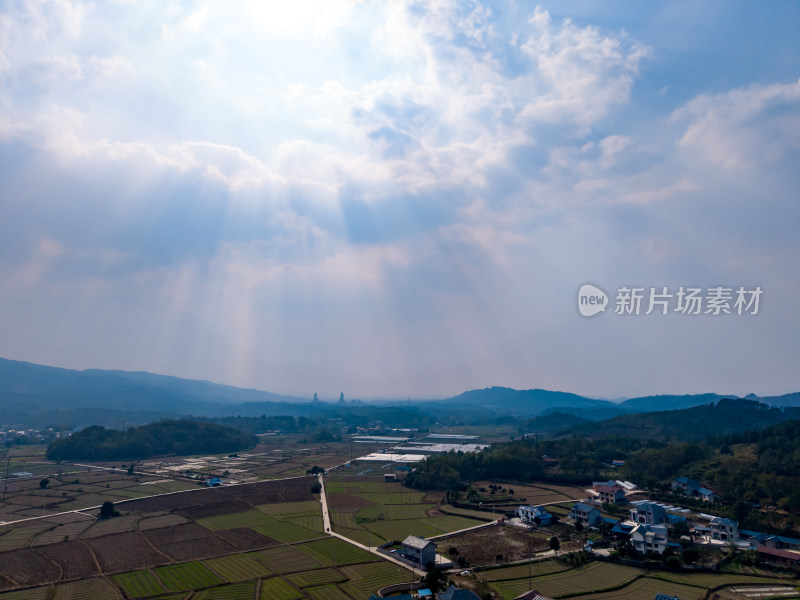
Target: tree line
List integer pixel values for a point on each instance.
(160, 438)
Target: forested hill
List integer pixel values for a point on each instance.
(752, 467)
(160, 438)
(728, 415)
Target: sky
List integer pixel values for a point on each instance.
(402, 199)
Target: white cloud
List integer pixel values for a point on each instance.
(742, 129)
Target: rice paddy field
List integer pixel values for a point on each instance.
(372, 511)
(598, 580)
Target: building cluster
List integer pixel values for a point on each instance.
(648, 524)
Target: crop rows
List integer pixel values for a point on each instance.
(408, 511)
(236, 591)
(583, 580)
(312, 522)
(96, 589)
(247, 518)
(238, 567)
(644, 587)
(139, 584)
(366, 579)
(709, 580)
(286, 559)
(313, 578)
(290, 508)
(543, 567)
(393, 497)
(328, 592)
(39, 593)
(285, 531)
(187, 576)
(333, 551)
(277, 589)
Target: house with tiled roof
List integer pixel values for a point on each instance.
(609, 491)
(649, 538)
(586, 514)
(648, 513)
(724, 530)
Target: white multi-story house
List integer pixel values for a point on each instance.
(649, 538)
(724, 530)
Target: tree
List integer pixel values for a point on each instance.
(316, 487)
(453, 552)
(690, 555)
(44, 483)
(131, 468)
(107, 510)
(435, 579)
(578, 526)
(315, 470)
(499, 558)
(555, 544)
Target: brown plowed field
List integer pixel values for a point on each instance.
(179, 533)
(124, 552)
(73, 557)
(26, 567)
(245, 538)
(194, 549)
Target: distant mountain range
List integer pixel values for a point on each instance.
(542, 402)
(41, 394)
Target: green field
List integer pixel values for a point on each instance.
(366, 579)
(327, 592)
(538, 568)
(277, 589)
(96, 589)
(187, 576)
(312, 522)
(39, 593)
(247, 518)
(286, 531)
(292, 508)
(710, 580)
(139, 584)
(393, 497)
(644, 587)
(287, 559)
(588, 579)
(237, 591)
(399, 529)
(335, 552)
(238, 567)
(409, 511)
(315, 578)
